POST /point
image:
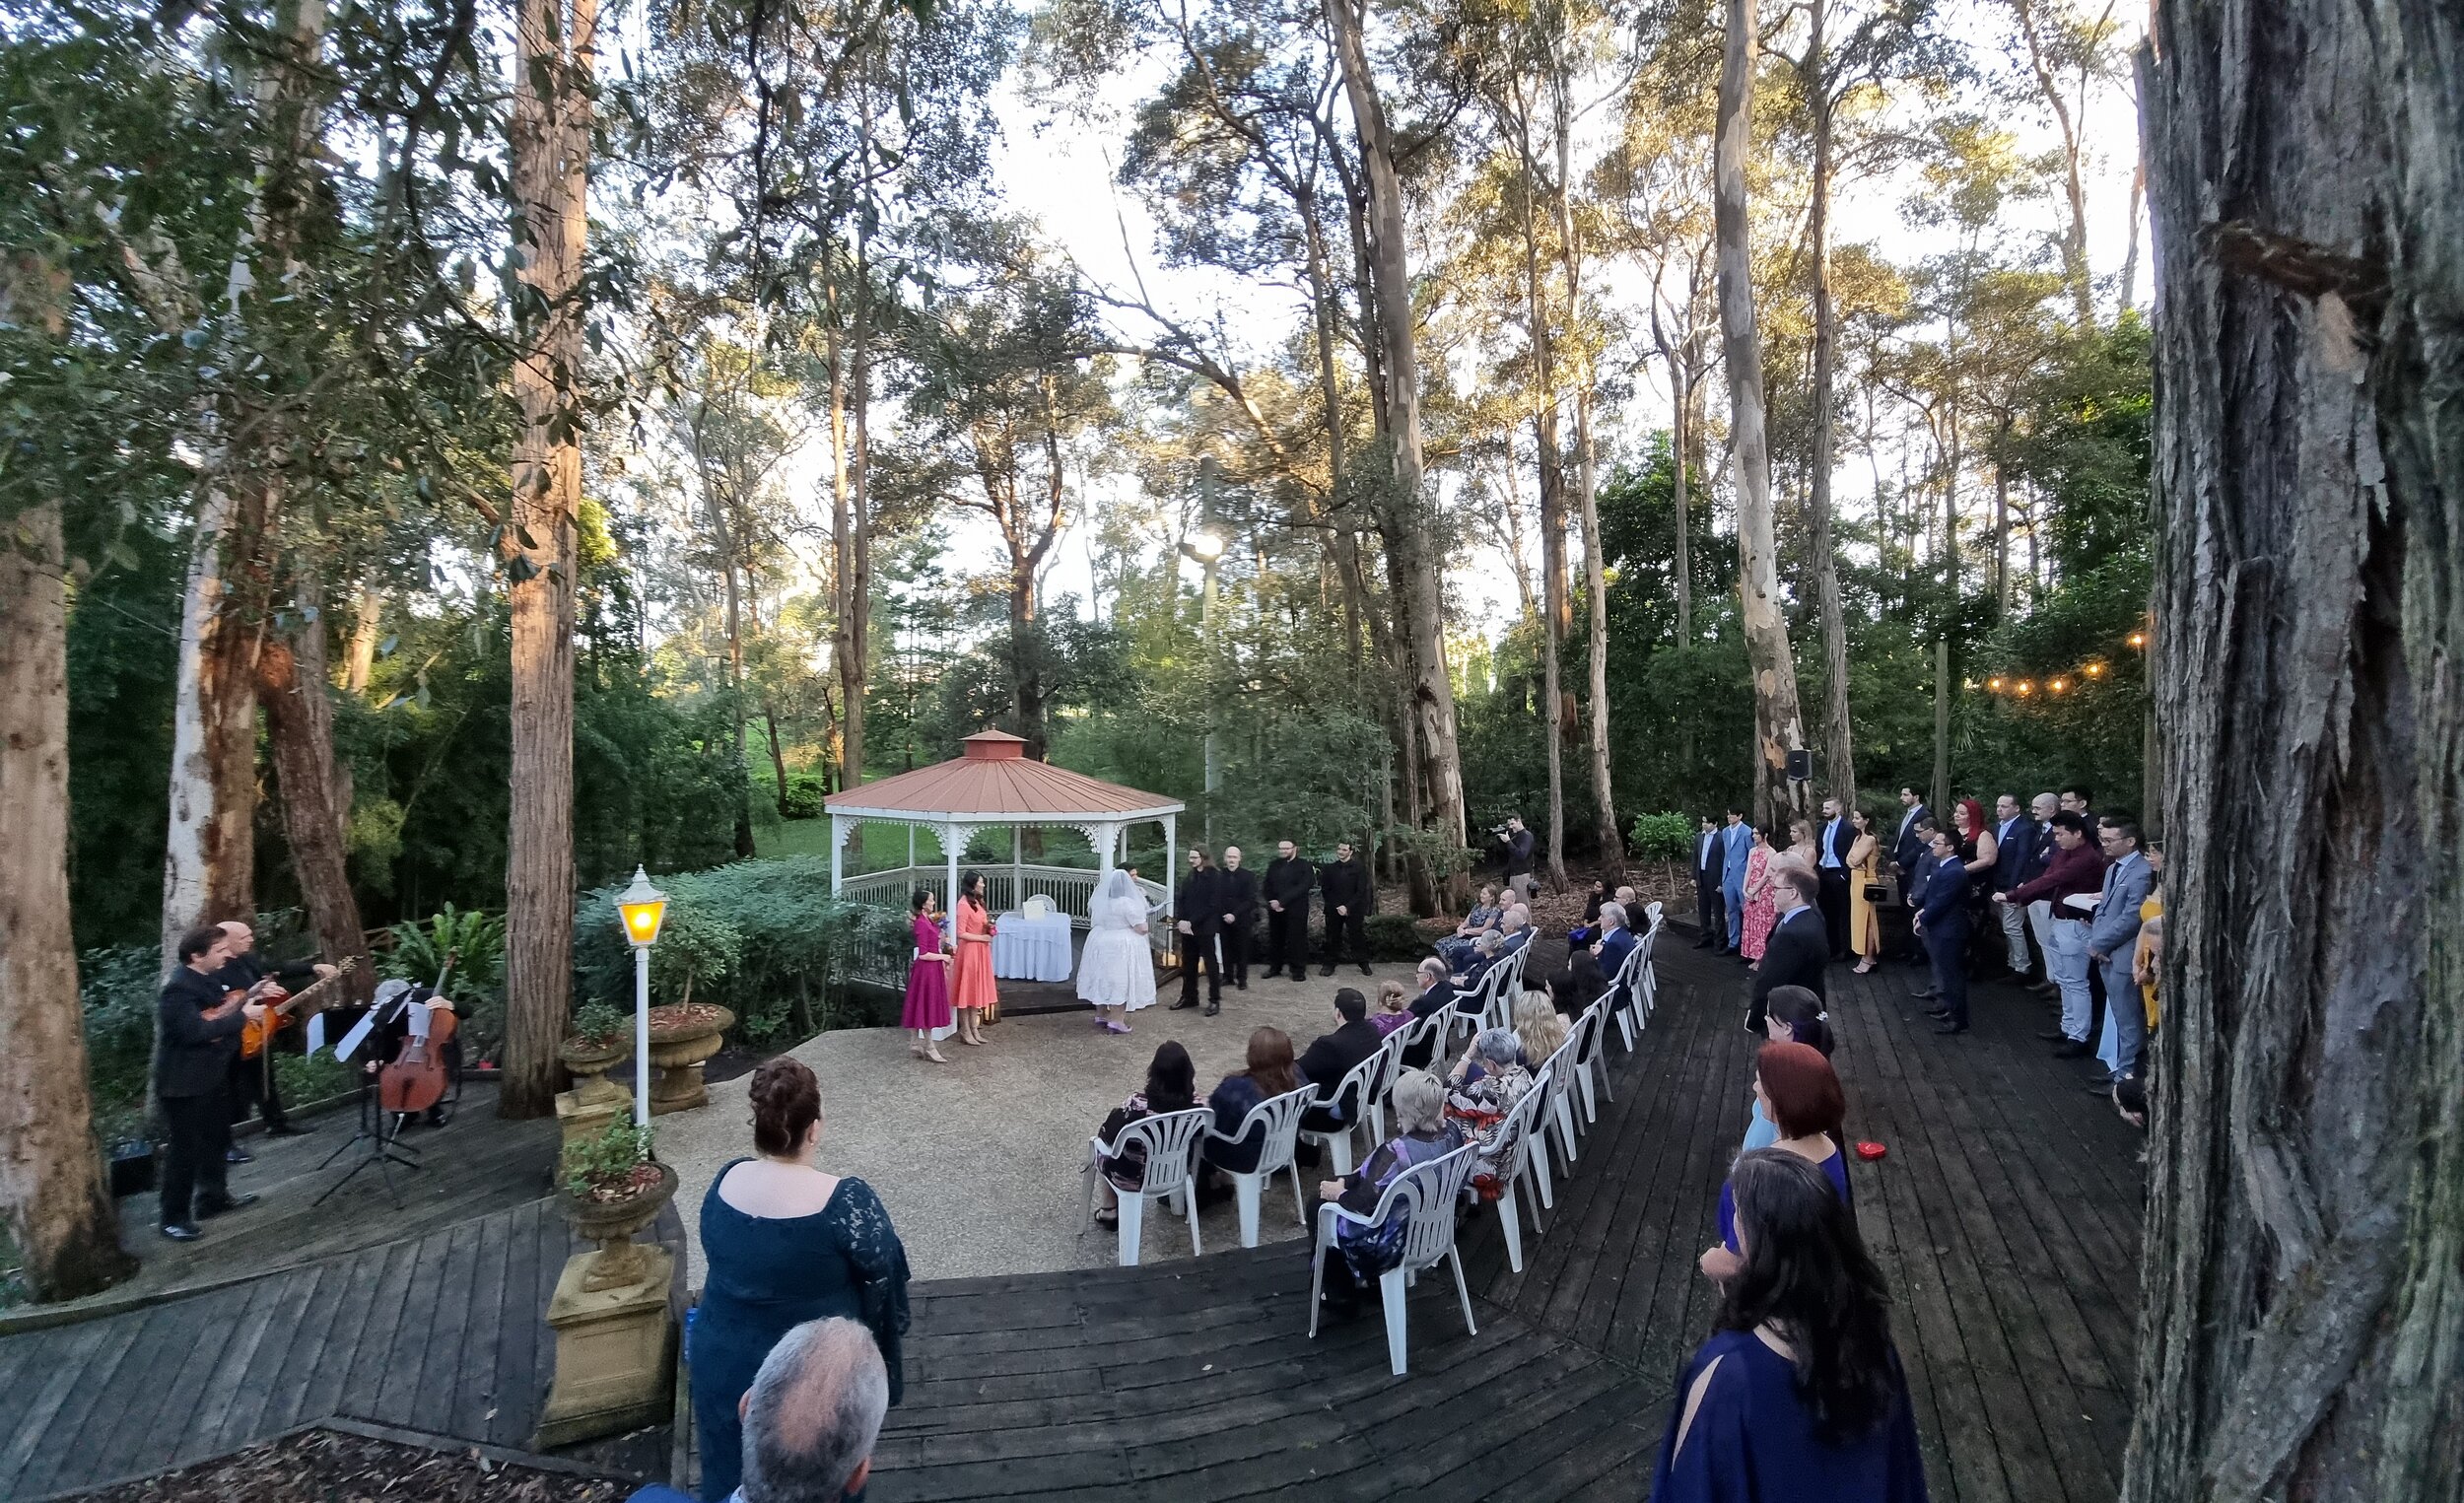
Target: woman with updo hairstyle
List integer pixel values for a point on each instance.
(786, 1243)
(1794, 1015)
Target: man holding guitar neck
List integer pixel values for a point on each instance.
(252, 1080)
(200, 1026)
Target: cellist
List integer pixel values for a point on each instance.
(252, 1080)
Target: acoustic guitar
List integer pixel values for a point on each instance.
(253, 1037)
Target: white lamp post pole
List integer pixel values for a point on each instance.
(644, 908)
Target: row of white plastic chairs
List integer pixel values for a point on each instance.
(1170, 1143)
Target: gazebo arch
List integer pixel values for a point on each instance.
(994, 783)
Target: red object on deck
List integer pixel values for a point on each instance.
(1870, 1152)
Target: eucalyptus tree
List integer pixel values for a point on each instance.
(2068, 49)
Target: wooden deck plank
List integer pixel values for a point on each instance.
(92, 1403)
(475, 1392)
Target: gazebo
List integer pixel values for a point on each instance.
(992, 784)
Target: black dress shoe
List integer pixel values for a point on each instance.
(1325, 970)
(1239, 985)
(2051, 1035)
(1212, 1009)
(182, 1231)
(1938, 1014)
(2100, 1087)
(2072, 1048)
(1949, 1027)
(209, 1208)
(1187, 1002)
(234, 1154)
(1364, 969)
(286, 1129)
(1926, 992)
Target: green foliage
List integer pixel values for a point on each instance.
(1665, 837)
(805, 791)
(607, 1159)
(117, 988)
(597, 1022)
(1398, 936)
(476, 942)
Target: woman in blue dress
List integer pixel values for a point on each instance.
(1794, 1015)
(786, 1243)
(1797, 1089)
(1798, 1393)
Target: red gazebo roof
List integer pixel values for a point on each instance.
(993, 781)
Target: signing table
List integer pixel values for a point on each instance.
(1031, 949)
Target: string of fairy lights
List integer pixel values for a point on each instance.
(2055, 685)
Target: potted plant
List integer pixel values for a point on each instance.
(683, 1034)
(610, 1187)
(598, 1037)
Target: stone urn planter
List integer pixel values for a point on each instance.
(595, 1101)
(615, 1335)
(610, 1216)
(682, 1037)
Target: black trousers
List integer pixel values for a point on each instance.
(1197, 948)
(1287, 938)
(1236, 953)
(252, 1086)
(1832, 896)
(1947, 948)
(1711, 911)
(1346, 933)
(193, 1171)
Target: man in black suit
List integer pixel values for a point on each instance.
(1798, 950)
(1199, 907)
(200, 1032)
(1332, 1056)
(1907, 845)
(251, 1083)
(1290, 880)
(1349, 897)
(1831, 839)
(1942, 923)
(2016, 842)
(1709, 911)
(1236, 894)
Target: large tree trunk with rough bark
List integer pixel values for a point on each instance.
(2303, 1304)
(209, 857)
(555, 50)
(51, 1188)
(1839, 757)
(1587, 490)
(299, 726)
(1778, 728)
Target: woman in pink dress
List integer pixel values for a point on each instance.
(1762, 908)
(971, 977)
(927, 1006)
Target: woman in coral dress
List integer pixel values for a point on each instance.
(1762, 908)
(928, 1010)
(971, 977)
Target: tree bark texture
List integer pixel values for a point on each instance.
(1548, 457)
(300, 726)
(51, 1188)
(2302, 1306)
(1778, 728)
(209, 859)
(554, 48)
(365, 633)
(1839, 759)
(1586, 491)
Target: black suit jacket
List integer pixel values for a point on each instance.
(1710, 855)
(197, 1052)
(1906, 846)
(1289, 882)
(1795, 955)
(1345, 884)
(1332, 1056)
(1236, 893)
(1199, 903)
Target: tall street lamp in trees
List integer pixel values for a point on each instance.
(644, 909)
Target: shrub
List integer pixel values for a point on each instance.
(1399, 936)
(604, 1161)
(600, 1023)
(1662, 836)
(804, 797)
(476, 983)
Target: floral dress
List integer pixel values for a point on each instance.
(1762, 908)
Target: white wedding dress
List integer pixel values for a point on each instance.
(1117, 969)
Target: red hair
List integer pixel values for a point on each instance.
(1976, 817)
(1803, 1090)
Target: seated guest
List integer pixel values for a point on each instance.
(1794, 1015)
(1487, 951)
(1270, 1074)
(1516, 926)
(1587, 930)
(1171, 1086)
(1615, 941)
(1796, 1087)
(1456, 949)
(786, 1243)
(1437, 991)
(1538, 1028)
(1579, 985)
(1332, 1056)
(1798, 1393)
(1623, 897)
(1359, 1253)
(1394, 1007)
(1483, 1087)
(811, 1419)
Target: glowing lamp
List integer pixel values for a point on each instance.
(2138, 639)
(2057, 686)
(644, 909)
(1994, 684)
(2026, 688)
(2095, 670)
(1205, 546)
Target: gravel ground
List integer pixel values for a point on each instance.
(332, 1466)
(979, 1159)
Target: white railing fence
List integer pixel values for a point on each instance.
(1071, 889)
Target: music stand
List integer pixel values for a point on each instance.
(375, 1130)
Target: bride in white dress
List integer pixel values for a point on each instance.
(1116, 970)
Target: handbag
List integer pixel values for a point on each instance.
(1875, 892)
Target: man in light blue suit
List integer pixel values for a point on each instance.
(1739, 844)
(2112, 935)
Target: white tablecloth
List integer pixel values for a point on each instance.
(1031, 949)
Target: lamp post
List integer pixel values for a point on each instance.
(644, 909)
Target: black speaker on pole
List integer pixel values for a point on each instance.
(1800, 766)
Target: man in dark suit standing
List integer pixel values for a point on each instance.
(1709, 859)
(1349, 899)
(1942, 921)
(1798, 950)
(2016, 842)
(200, 1033)
(1199, 909)
(251, 1082)
(1908, 845)
(1236, 894)
(1332, 1056)
(1832, 842)
(1290, 880)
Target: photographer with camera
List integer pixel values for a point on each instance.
(1519, 845)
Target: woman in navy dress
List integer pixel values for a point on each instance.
(1798, 1393)
(786, 1243)
(1797, 1089)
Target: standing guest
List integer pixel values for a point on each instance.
(2041, 810)
(1519, 858)
(1268, 1072)
(1117, 969)
(1801, 843)
(1171, 1086)
(1709, 911)
(1349, 897)
(1796, 1016)
(1799, 1394)
(1908, 844)
(1796, 1087)
(1737, 848)
(927, 1010)
(252, 1080)
(1912, 892)
(2077, 872)
(1798, 951)
(1359, 1253)
(1236, 893)
(1393, 1008)
(2079, 799)
(1456, 949)
(2014, 853)
(200, 1031)
(785, 1244)
(1332, 1056)
(810, 1420)
(1832, 844)
(972, 991)
(1943, 925)
(1290, 880)
(1978, 852)
(1865, 890)
(2112, 940)
(1761, 906)
(1200, 909)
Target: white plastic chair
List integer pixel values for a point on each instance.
(1559, 1071)
(1591, 1033)
(1425, 1197)
(1473, 1004)
(1511, 1163)
(1170, 1140)
(1621, 995)
(1280, 1116)
(1037, 906)
(1432, 1030)
(1358, 1090)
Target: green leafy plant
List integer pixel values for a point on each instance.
(597, 1022)
(804, 797)
(607, 1161)
(476, 983)
(1662, 836)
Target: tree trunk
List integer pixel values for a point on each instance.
(299, 726)
(1587, 496)
(367, 629)
(1409, 518)
(555, 52)
(1949, 608)
(2302, 1275)
(1555, 610)
(209, 864)
(2002, 524)
(51, 1188)
(1778, 728)
(1839, 762)
(850, 496)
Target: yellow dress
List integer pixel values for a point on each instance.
(1865, 926)
(2151, 907)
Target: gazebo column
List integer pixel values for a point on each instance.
(1017, 857)
(949, 856)
(1172, 862)
(838, 844)
(911, 849)
(1109, 839)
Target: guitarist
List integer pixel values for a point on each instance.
(252, 1080)
(200, 1025)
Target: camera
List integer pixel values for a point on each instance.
(1498, 831)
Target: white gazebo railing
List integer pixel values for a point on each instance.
(1071, 889)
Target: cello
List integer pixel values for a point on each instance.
(415, 1079)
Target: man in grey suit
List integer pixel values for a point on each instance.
(2112, 934)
